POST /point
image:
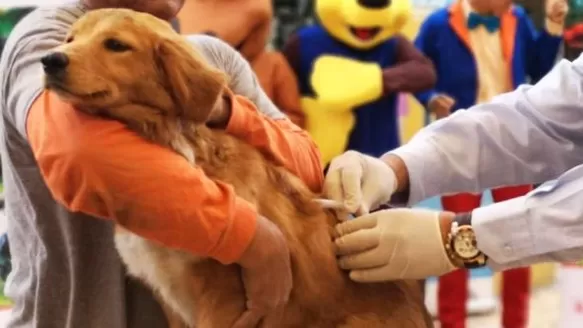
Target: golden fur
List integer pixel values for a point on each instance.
(133, 68)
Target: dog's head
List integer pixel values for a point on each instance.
(116, 57)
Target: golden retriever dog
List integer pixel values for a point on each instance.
(134, 68)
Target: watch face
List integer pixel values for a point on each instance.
(464, 244)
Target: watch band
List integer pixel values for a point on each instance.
(463, 221)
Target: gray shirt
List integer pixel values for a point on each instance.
(527, 136)
(66, 272)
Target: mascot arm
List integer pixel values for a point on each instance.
(287, 93)
(413, 71)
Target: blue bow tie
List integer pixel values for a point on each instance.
(491, 23)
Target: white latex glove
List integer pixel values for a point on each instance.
(360, 182)
(393, 244)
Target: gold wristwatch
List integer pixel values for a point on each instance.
(461, 245)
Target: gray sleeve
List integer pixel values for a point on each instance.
(242, 78)
(530, 135)
(22, 79)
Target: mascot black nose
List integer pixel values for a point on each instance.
(374, 4)
(55, 63)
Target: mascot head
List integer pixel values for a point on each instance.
(363, 24)
(244, 24)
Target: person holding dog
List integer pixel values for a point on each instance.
(63, 169)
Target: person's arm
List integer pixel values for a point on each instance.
(287, 93)
(413, 71)
(524, 137)
(546, 225)
(101, 168)
(267, 129)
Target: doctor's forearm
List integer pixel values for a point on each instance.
(544, 226)
(527, 136)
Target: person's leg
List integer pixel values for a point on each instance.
(515, 297)
(452, 290)
(515, 283)
(506, 193)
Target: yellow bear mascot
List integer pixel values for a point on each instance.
(351, 66)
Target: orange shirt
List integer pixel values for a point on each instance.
(101, 168)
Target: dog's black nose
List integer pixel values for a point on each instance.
(55, 63)
(374, 4)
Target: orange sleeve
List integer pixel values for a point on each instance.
(285, 142)
(101, 168)
(287, 92)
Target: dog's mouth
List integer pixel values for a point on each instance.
(365, 33)
(64, 91)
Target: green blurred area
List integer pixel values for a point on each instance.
(575, 12)
(9, 17)
(4, 301)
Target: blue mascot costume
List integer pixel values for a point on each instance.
(351, 66)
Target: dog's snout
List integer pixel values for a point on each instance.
(374, 4)
(55, 63)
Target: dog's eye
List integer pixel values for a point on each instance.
(116, 45)
(69, 39)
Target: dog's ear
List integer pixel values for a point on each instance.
(194, 85)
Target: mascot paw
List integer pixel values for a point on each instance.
(346, 82)
(329, 128)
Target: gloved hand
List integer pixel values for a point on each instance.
(394, 244)
(362, 183)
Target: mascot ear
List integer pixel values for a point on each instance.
(194, 85)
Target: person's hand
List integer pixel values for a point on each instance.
(267, 277)
(441, 105)
(557, 10)
(394, 244)
(360, 182)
